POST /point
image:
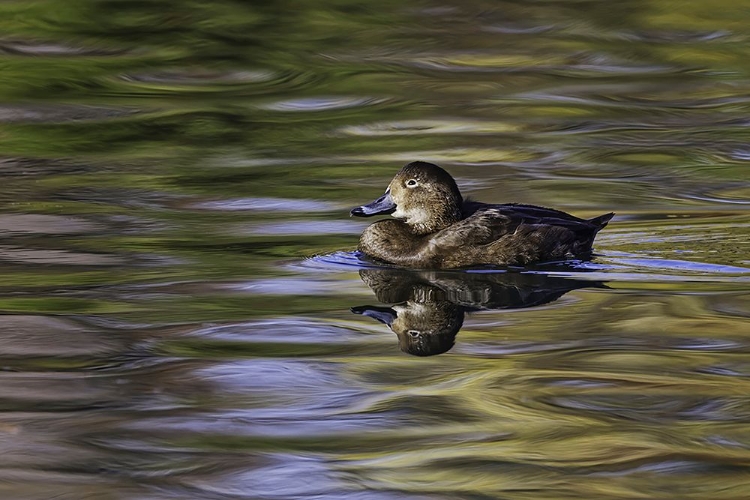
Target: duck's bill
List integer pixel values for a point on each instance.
(383, 205)
(385, 315)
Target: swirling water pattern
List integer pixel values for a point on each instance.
(178, 266)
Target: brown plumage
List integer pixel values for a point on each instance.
(435, 227)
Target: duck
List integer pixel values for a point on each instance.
(434, 227)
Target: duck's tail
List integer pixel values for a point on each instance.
(602, 220)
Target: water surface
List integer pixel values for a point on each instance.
(183, 315)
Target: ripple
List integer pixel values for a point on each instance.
(294, 286)
(338, 261)
(461, 156)
(286, 476)
(739, 195)
(287, 419)
(11, 224)
(305, 227)
(287, 330)
(40, 336)
(671, 36)
(610, 267)
(26, 167)
(625, 97)
(435, 126)
(653, 270)
(517, 29)
(707, 344)
(319, 103)
(663, 467)
(58, 113)
(261, 374)
(40, 48)
(267, 205)
(201, 76)
(592, 64)
(646, 407)
(741, 154)
(680, 266)
(59, 257)
(208, 80)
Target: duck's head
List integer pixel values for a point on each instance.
(422, 194)
(423, 328)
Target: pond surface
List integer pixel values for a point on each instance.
(183, 315)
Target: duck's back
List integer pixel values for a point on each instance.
(516, 234)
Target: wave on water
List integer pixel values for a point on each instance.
(611, 266)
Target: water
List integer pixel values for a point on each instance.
(183, 313)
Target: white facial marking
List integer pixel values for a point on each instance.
(417, 216)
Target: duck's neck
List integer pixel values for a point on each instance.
(438, 220)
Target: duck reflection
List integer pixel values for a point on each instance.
(429, 306)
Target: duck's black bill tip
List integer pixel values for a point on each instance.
(358, 212)
(382, 206)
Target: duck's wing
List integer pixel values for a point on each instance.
(519, 210)
(543, 215)
(482, 227)
(518, 213)
(491, 222)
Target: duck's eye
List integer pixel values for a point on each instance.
(412, 183)
(413, 333)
